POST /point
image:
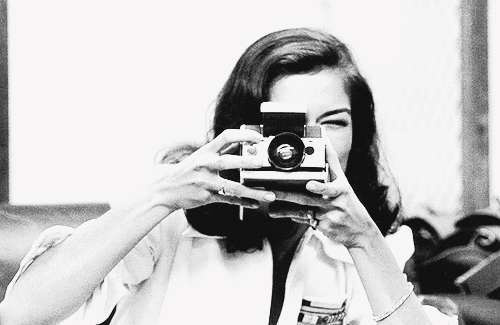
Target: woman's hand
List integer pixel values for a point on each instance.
(195, 181)
(340, 214)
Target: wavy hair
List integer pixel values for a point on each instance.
(276, 55)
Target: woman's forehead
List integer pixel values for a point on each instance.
(321, 90)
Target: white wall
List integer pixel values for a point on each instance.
(96, 87)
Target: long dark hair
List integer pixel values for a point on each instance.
(282, 53)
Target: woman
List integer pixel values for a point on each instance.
(178, 252)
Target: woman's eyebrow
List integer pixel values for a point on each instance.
(334, 112)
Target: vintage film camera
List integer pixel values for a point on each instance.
(293, 153)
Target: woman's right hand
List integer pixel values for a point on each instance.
(195, 181)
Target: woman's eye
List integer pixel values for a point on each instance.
(333, 123)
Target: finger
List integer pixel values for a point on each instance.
(229, 136)
(232, 148)
(296, 215)
(233, 200)
(301, 198)
(303, 215)
(328, 190)
(299, 220)
(334, 166)
(282, 209)
(238, 190)
(234, 162)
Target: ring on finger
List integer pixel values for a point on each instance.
(313, 221)
(222, 190)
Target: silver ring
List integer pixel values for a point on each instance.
(222, 190)
(313, 222)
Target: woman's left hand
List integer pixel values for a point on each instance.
(340, 214)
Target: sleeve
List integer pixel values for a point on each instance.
(136, 267)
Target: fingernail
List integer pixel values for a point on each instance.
(270, 197)
(313, 186)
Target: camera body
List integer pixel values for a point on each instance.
(293, 152)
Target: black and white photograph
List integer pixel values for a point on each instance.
(265, 162)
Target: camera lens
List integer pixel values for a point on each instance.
(286, 151)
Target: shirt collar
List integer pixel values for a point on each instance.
(400, 243)
(332, 249)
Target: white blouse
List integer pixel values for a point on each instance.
(176, 275)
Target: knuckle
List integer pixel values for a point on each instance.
(225, 135)
(201, 163)
(197, 183)
(217, 164)
(198, 164)
(204, 196)
(234, 200)
(237, 191)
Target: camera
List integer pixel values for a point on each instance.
(293, 153)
